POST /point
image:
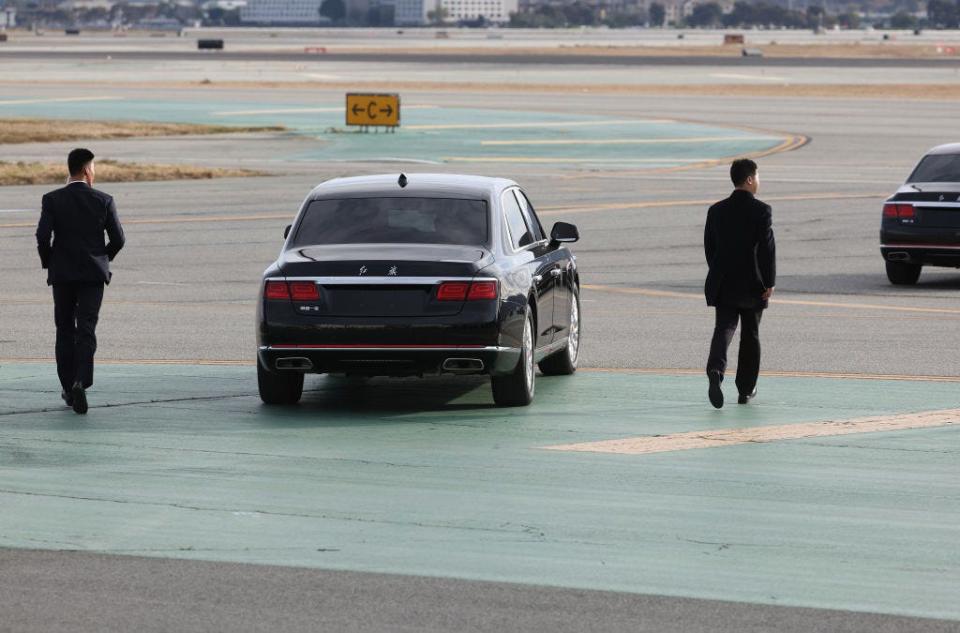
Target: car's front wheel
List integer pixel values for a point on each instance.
(564, 362)
(516, 388)
(903, 274)
(280, 387)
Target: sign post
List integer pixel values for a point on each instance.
(373, 110)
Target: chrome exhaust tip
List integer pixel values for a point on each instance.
(295, 362)
(898, 256)
(463, 365)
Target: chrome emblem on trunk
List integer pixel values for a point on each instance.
(363, 270)
(392, 272)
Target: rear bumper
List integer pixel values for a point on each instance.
(390, 360)
(923, 254)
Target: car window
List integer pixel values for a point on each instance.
(394, 221)
(520, 235)
(530, 215)
(937, 168)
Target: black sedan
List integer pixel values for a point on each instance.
(921, 222)
(418, 275)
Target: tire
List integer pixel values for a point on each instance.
(564, 362)
(279, 388)
(901, 274)
(517, 388)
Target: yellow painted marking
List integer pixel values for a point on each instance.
(765, 434)
(568, 159)
(177, 220)
(57, 100)
(140, 361)
(632, 141)
(657, 204)
(698, 371)
(532, 124)
(647, 292)
(745, 76)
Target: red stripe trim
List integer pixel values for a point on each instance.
(378, 346)
(935, 246)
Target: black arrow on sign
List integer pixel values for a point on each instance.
(357, 110)
(388, 110)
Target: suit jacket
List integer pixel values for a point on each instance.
(741, 252)
(76, 218)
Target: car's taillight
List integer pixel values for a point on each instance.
(460, 291)
(452, 291)
(480, 290)
(296, 290)
(304, 291)
(899, 211)
(276, 290)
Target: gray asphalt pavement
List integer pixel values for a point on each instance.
(54, 591)
(524, 59)
(185, 288)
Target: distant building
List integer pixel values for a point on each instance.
(491, 10)
(282, 12)
(8, 17)
(417, 12)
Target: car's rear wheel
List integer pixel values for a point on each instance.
(564, 362)
(279, 387)
(903, 274)
(516, 389)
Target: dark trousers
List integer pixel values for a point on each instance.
(76, 308)
(748, 362)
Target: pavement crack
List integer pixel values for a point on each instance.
(269, 513)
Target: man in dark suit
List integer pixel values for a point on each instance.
(741, 253)
(78, 265)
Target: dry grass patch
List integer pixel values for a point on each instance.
(54, 130)
(112, 171)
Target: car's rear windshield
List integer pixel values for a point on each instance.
(394, 221)
(937, 168)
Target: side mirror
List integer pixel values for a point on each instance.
(286, 231)
(564, 232)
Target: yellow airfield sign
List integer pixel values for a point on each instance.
(373, 109)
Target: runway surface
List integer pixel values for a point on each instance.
(728, 524)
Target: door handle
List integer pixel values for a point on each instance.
(556, 272)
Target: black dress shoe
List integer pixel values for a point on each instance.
(79, 398)
(715, 393)
(67, 398)
(747, 397)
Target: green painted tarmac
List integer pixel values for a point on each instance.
(425, 477)
(441, 135)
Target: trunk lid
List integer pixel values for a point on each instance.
(382, 280)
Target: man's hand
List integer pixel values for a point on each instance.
(767, 294)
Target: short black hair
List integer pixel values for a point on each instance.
(78, 159)
(741, 169)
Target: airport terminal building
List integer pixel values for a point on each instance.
(417, 12)
(282, 12)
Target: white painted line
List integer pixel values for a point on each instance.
(532, 124)
(17, 211)
(634, 141)
(60, 100)
(743, 76)
(765, 434)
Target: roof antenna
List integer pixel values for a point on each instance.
(402, 181)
